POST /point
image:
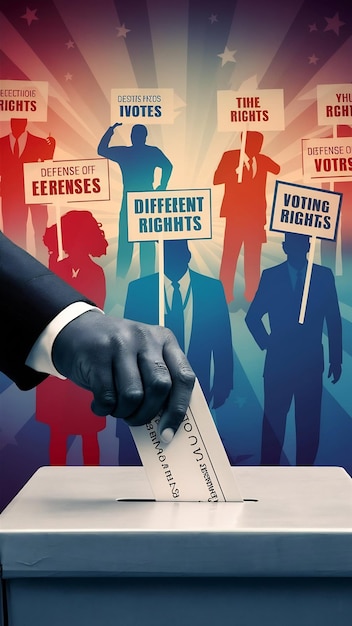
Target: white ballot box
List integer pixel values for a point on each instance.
(84, 546)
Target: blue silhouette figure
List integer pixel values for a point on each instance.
(206, 331)
(294, 360)
(138, 163)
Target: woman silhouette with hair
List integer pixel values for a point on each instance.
(61, 404)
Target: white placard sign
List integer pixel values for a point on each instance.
(261, 110)
(334, 104)
(325, 160)
(305, 210)
(142, 106)
(54, 182)
(194, 465)
(23, 99)
(169, 214)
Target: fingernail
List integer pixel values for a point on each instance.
(167, 435)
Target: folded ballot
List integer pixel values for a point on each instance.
(194, 465)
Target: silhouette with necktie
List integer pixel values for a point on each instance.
(138, 163)
(294, 360)
(197, 313)
(244, 208)
(17, 148)
(175, 315)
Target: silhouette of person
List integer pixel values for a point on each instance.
(294, 360)
(61, 404)
(138, 163)
(204, 333)
(244, 207)
(17, 148)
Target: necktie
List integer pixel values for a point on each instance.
(299, 285)
(16, 149)
(176, 318)
(298, 292)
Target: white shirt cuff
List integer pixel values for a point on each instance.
(39, 358)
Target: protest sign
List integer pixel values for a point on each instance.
(334, 104)
(260, 110)
(306, 211)
(169, 214)
(23, 99)
(194, 465)
(57, 182)
(325, 160)
(142, 106)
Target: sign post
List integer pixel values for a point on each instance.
(194, 465)
(306, 211)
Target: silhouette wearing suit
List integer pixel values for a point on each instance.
(138, 163)
(17, 148)
(61, 404)
(294, 360)
(244, 208)
(205, 326)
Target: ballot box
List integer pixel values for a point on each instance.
(84, 546)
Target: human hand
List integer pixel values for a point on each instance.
(116, 125)
(135, 371)
(334, 373)
(50, 141)
(220, 396)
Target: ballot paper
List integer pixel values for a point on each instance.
(194, 465)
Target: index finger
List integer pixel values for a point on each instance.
(183, 379)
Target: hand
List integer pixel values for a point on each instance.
(335, 370)
(220, 396)
(134, 370)
(50, 141)
(115, 125)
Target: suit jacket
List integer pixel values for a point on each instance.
(11, 168)
(241, 199)
(211, 331)
(291, 346)
(30, 297)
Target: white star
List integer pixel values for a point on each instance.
(213, 18)
(68, 76)
(70, 44)
(312, 27)
(228, 56)
(30, 15)
(122, 31)
(334, 23)
(313, 59)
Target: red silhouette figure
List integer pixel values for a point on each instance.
(244, 207)
(17, 148)
(61, 404)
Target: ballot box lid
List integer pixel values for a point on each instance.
(103, 521)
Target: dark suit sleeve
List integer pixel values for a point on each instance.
(30, 297)
(257, 310)
(333, 320)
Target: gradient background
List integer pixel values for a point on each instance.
(85, 48)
